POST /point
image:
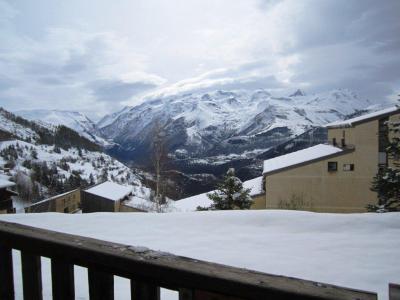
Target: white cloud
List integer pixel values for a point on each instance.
(93, 56)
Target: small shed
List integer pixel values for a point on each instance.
(6, 204)
(104, 197)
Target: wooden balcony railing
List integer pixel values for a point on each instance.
(148, 271)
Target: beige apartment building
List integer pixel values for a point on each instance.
(333, 177)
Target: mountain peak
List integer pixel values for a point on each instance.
(298, 93)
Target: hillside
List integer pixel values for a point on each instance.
(71, 119)
(48, 161)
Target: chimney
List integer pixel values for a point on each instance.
(343, 140)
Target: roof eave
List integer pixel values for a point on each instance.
(345, 151)
(352, 124)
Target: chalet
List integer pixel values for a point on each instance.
(6, 203)
(333, 177)
(108, 197)
(68, 202)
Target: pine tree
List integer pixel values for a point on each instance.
(91, 179)
(34, 153)
(387, 182)
(230, 194)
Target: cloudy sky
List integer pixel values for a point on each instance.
(98, 55)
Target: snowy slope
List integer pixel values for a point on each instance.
(71, 119)
(89, 165)
(109, 119)
(352, 250)
(15, 129)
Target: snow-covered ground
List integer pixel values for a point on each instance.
(90, 162)
(354, 250)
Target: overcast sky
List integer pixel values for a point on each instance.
(98, 55)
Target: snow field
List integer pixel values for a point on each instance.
(353, 250)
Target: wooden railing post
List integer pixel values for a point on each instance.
(144, 291)
(394, 291)
(6, 274)
(186, 294)
(101, 285)
(62, 279)
(31, 276)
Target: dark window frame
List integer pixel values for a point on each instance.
(332, 166)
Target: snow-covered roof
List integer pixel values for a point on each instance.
(110, 190)
(365, 117)
(51, 198)
(299, 157)
(6, 184)
(255, 186)
(191, 203)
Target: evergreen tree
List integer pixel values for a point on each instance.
(34, 153)
(230, 194)
(387, 182)
(91, 179)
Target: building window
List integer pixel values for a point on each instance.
(348, 167)
(332, 166)
(334, 143)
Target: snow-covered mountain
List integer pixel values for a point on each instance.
(71, 119)
(225, 122)
(208, 132)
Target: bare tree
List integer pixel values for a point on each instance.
(159, 160)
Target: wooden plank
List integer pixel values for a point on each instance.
(144, 291)
(6, 274)
(394, 291)
(62, 280)
(204, 295)
(187, 294)
(31, 276)
(167, 270)
(101, 285)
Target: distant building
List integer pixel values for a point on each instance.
(107, 197)
(68, 202)
(6, 203)
(335, 177)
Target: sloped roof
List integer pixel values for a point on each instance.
(110, 190)
(255, 186)
(364, 118)
(5, 184)
(299, 157)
